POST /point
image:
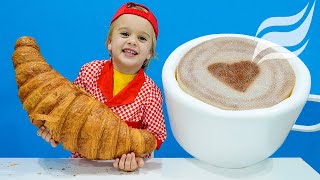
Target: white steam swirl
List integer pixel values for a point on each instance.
(285, 39)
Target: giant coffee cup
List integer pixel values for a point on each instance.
(231, 138)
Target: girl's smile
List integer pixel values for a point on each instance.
(129, 52)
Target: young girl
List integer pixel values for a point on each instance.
(121, 83)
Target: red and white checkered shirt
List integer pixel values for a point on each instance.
(139, 104)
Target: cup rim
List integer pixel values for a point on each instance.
(298, 97)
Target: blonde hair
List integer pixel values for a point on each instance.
(153, 40)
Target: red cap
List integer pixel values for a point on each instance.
(127, 9)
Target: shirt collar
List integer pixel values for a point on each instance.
(126, 95)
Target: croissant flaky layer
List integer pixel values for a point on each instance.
(77, 120)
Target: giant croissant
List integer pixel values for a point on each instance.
(77, 120)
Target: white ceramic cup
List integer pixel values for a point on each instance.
(226, 138)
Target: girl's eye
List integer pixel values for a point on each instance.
(142, 38)
(124, 34)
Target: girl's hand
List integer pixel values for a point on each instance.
(128, 162)
(46, 135)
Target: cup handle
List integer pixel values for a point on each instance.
(312, 128)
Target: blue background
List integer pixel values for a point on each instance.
(71, 33)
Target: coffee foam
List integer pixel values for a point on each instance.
(204, 73)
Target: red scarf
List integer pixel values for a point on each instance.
(127, 94)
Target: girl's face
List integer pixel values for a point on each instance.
(130, 43)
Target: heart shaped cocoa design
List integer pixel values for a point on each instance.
(238, 75)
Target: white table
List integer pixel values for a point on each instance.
(157, 168)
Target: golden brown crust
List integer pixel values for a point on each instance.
(77, 120)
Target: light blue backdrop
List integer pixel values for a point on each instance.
(71, 33)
